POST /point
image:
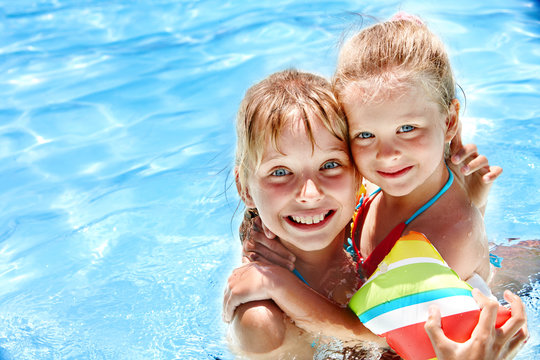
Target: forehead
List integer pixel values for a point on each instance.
(412, 102)
(298, 131)
(375, 93)
(377, 89)
(387, 87)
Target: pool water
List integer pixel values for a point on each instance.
(118, 213)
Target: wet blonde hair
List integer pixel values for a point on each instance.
(275, 101)
(387, 58)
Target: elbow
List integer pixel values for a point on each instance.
(259, 327)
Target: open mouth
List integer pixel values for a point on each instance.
(311, 220)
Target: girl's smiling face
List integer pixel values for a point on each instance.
(304, 191)
(398, 143)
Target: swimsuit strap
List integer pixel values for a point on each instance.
(435, 198)
(375, 192)
(295, 272)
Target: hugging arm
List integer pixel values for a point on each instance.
(309, 310)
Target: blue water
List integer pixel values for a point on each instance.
(117, 138)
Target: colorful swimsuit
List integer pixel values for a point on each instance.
(370, 263)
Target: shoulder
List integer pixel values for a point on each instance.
(456, 228)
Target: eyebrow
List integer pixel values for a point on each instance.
(278, 155)
(344, 151)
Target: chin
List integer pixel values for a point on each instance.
(312, 243)
(399, 191)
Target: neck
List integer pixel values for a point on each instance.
(316, 265)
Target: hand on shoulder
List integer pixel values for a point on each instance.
(472, 171)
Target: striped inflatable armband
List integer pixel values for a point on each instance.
(394, 301)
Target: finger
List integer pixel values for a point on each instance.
(463, 152)
(274, 245)
(518, 318)
(271, 250)
(228, 310)
(269, 234)
(255, 240)
(254, 257)
(226, 296)
(260, 227)
(492, 174)
(266, 256)
(488, 314)
(257, 224)
(478, 163)
(515, 344)
(229, 300)
(434, 330)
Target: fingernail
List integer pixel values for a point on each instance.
(456, 158)
(465, 169)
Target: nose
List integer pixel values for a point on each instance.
(387, 150)
(310, 191)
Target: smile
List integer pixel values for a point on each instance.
(394, 174)
(309, 220)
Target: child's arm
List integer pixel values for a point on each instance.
(308, 309)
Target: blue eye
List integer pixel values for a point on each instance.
(330, 165)
(280, 172)
(406, 128)
(365, 135)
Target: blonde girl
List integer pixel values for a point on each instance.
(293, 168)
(396, 86)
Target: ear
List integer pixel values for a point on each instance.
(243, 191)
(452, 121)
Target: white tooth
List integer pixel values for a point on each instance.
(309, 219)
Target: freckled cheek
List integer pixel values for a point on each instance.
(269, 208)
(432, 143)
(343, 188)
(276, 194)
